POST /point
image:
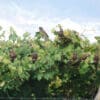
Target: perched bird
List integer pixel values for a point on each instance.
(34, 57)
(96, 59)
(74, 57)
(43, 33)
(60, 32)
(12, 55)
(85, 56)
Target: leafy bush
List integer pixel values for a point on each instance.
(67, 66)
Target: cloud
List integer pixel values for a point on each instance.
(24, 20)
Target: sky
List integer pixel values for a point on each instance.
(27, 15)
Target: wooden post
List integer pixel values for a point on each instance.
(97, 97)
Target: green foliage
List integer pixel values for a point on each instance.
(65, 67)
(13, 36)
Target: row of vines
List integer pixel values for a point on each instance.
(66, 67)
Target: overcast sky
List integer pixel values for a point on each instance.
(28, 15)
